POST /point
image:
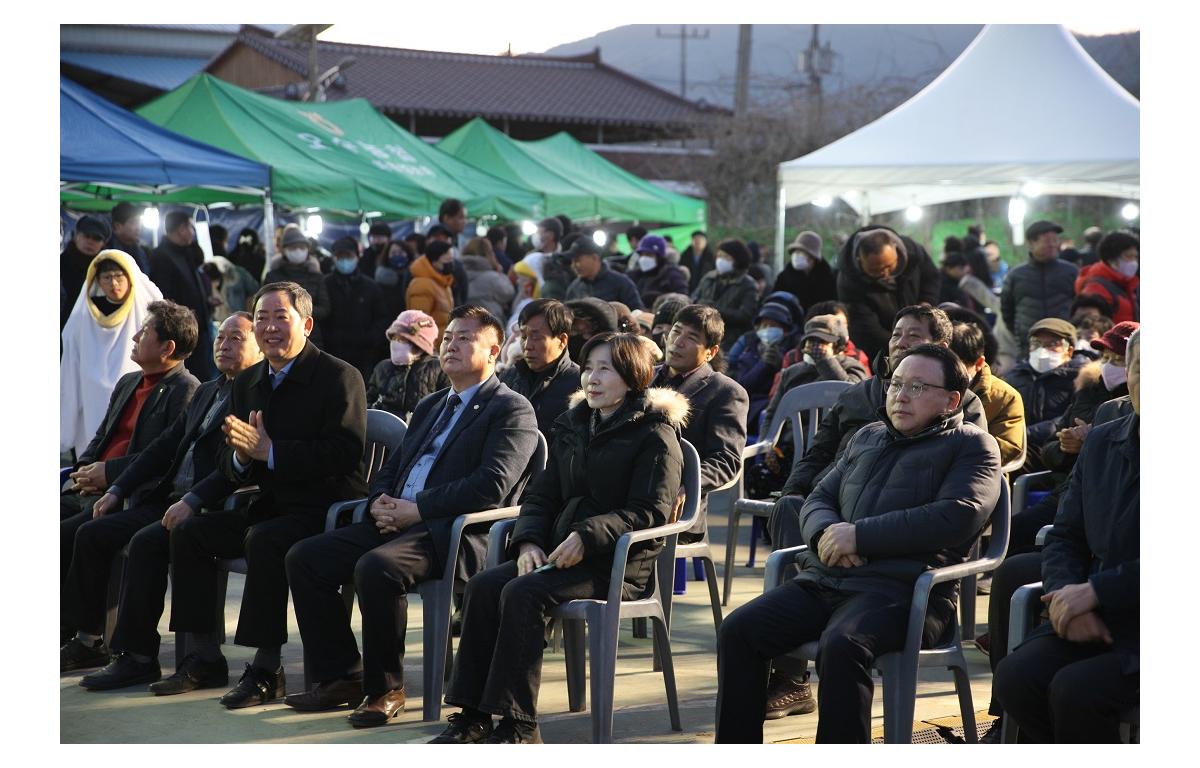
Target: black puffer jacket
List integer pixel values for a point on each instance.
(1046, 396)
(397, 389)
(735, 296)
(871, 305)
(549, 391)
(816, 285)
(916, 503)
(623, 478)
(1034, 291)
(356, 328)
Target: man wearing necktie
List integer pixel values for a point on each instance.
(468, 449)
(296, 428)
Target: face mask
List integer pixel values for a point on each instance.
(385, 276)
(647, 263)
(296, 255)
(1128, 268)
(245, 240)
(1044, 360)
(1113, 375)
(346, 266)
(809, 359)
(402, 353)
(399, 261)
(724, 266)
(770, 335)
(801, 261)
(536, 241)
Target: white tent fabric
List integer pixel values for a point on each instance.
(1053, 116)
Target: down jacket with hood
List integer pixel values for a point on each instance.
(872, 304)
(308, 275)
(429, 291)
(916, 503)
(624, 477)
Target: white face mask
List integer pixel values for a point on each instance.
(647, 263)
(1044, 360)
(402, 353)
(801, 261)
(724, 266)
(809, 359)
(1113, 375)
(296, 255)
(1128, 268)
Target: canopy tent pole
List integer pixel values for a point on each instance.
(268, 225)
(777, 260)
(865, 211)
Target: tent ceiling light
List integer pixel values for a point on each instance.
(1130, 211)
(150, 218)
(1031, 189)
(600, 238)
(314, 225)
(913, 213)
(528, 228)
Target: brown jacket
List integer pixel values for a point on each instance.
(1005, 413)
(429, 291)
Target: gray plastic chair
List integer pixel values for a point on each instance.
(899, 669)
(814, 398)
(603, 617)
(385, 433)
(1023, 615)
(437, 595)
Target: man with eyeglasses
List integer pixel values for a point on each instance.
(912, 492)
(1046, 379)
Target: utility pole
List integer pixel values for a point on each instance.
(816, 61)
(306, 34)
(684, 35)
(741, 92)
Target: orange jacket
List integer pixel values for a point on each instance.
(429, 291)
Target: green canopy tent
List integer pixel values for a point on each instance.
(340, 156)
(576, 181)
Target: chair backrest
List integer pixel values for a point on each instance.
(385, 432)
(1001, 516)
(815, 397)
(1018, 461)
(664, 572)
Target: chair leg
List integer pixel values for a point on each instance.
(962, 684)
(730, 552)
(602, 646)
(436, 616)
(899, 699)
(662, 640)
(713, 596)
(574, 643)
(756, 529)
(966, 607)
(640, 629)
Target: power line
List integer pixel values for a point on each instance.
(683, 35)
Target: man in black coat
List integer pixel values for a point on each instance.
(468, 449)
(86, 242)
(175, 269)
(807, 275)
(143, 405)
(717, 405)
(698, 258)
(297, 429)
(1074, 676)
(174, 478)
(879, 272)
(545, 375)
(912, 492)
(358, 320)
(1046, 378)
(126, 226)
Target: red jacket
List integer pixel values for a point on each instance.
(1096, 279)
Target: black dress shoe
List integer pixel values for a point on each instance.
(256, 686)
(194, 673)
(330, 694)
(511, 731)
(75, 655)
(464, 730)
(122, 672)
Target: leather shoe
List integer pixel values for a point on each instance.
(510, 731)
(193, 673)
(464, 730)
(330, 694)
(256, 686)
(378, 711)
(75, 655)
(122, 672)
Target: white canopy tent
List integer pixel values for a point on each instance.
(1054, 117)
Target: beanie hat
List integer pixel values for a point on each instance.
(737, 251)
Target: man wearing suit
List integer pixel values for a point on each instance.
(175, 269)
(545, 375)
(468, 449)
(143, 404)
(296, 429)
(180, 474)
(718, 404)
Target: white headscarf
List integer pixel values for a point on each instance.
(96, 350)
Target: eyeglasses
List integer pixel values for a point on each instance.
(113, 277)
(913, 388)
(1060, 343)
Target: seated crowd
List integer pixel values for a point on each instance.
(221, 441)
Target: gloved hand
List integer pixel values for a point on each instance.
(771, 355)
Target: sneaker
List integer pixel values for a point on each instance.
(256, 686)
(193, 673)
(122, 672)
(788, 697)
(992, 735)
(464, 730)
(75, 655)
(511, 731)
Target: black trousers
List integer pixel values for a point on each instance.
(384, 569)
(783, 526)
(1064, 692)
(74, 510)
(143, 591)
(199, 541)
(1015, 572)
(852, 628)
(498, 666)
(96, 543)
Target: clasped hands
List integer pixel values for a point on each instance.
(1073, 614)
(89, 480)
(838, 547)
(564, 555)
(392, 515)
(249, 439)
(1070, 440)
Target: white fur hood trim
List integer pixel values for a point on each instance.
(670, 403)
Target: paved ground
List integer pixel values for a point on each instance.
(135, 716)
